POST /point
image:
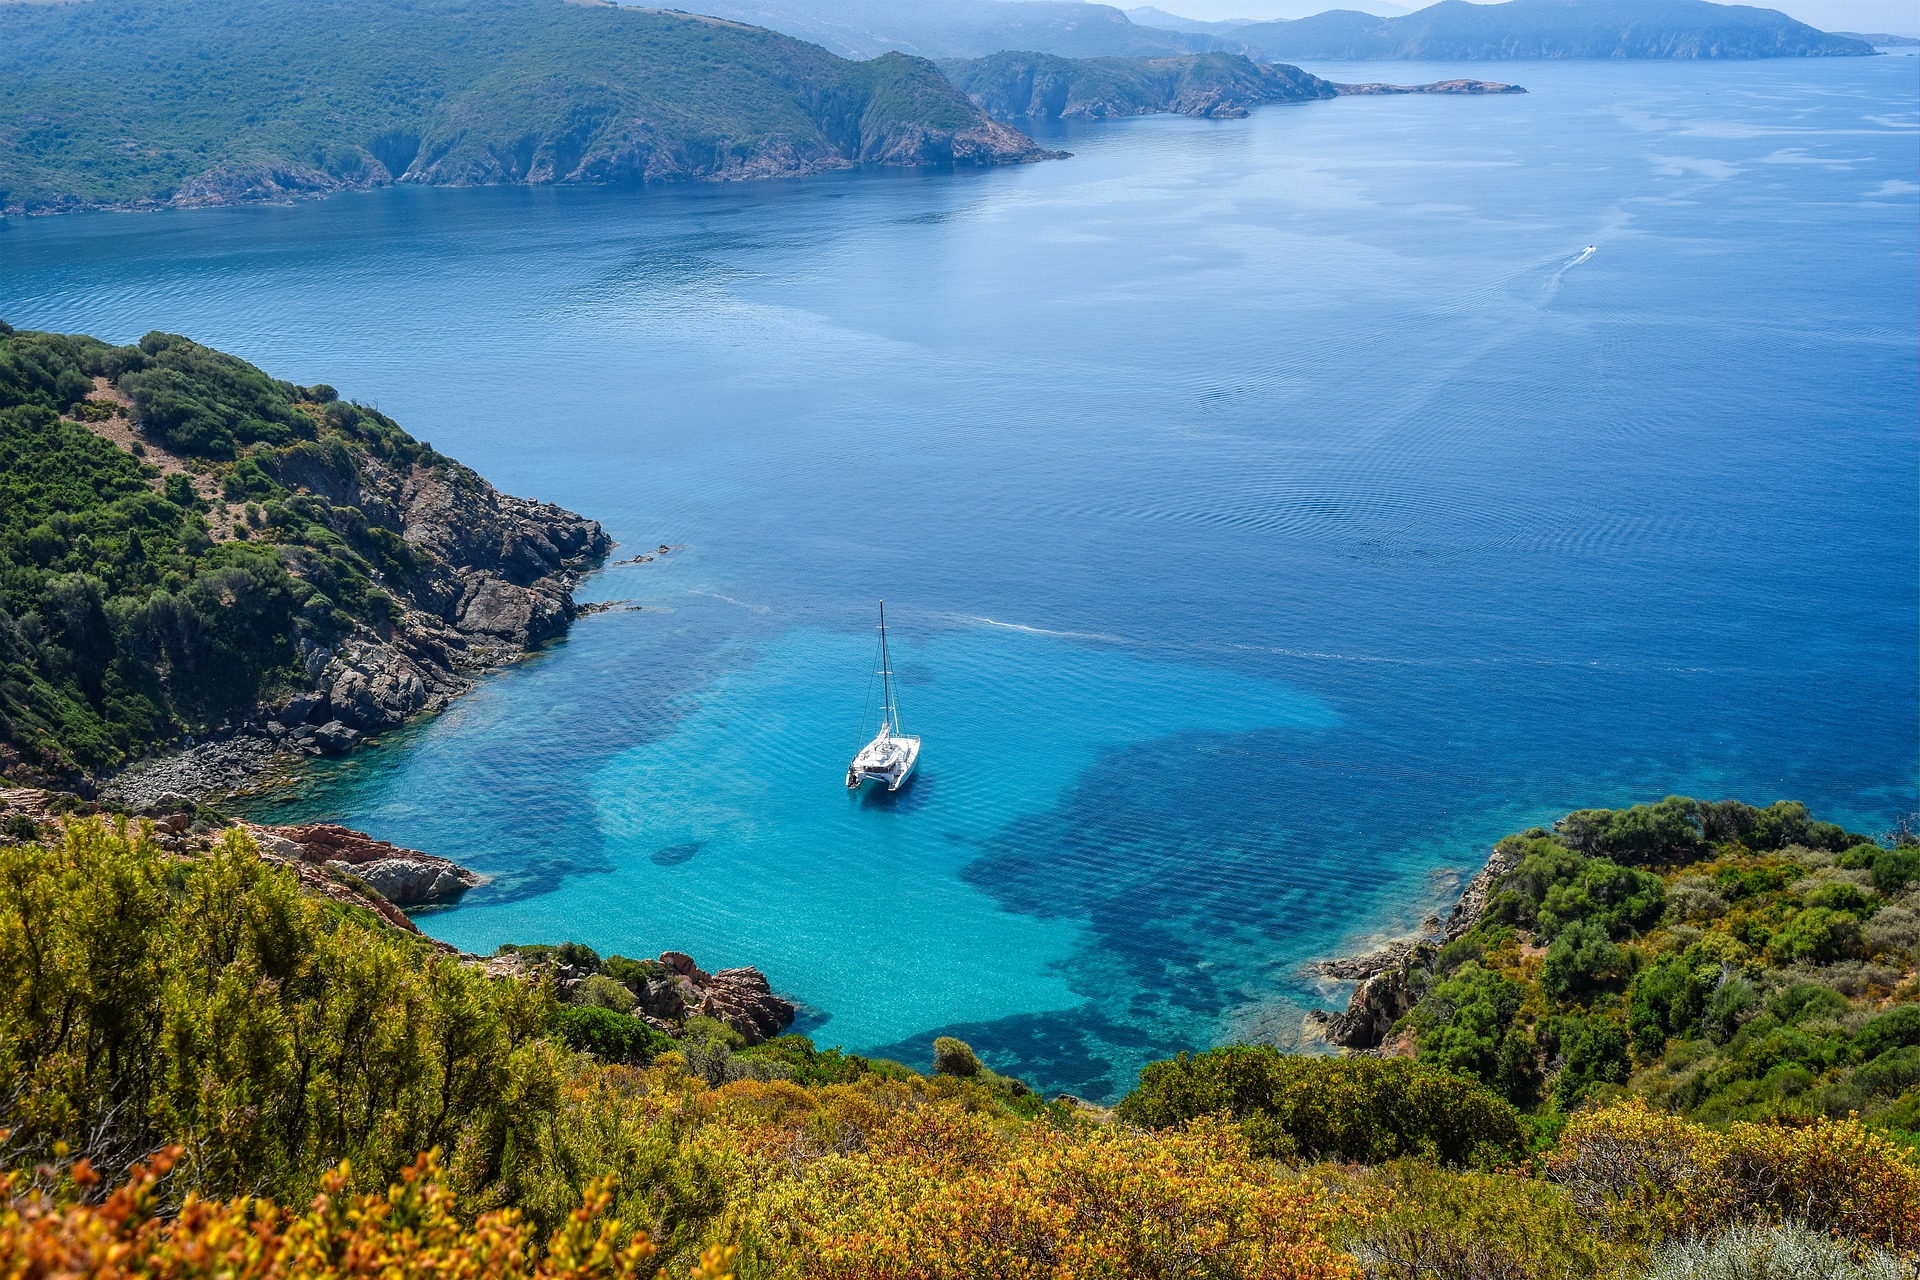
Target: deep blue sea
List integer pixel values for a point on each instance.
(1272, 513)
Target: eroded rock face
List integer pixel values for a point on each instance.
(490, 577)
(404, 877)
(1393, 979)
(739, 998)
(1380, 1001)
(743, 1000)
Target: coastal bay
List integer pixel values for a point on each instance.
(1275, 512)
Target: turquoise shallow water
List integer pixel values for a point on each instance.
(1273, 513)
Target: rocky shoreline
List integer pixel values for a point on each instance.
(491, 579)
(1393, 978)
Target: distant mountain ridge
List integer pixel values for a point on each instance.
(1612, 29)
(963, 28)
(195, 102)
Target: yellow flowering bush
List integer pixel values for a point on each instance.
(1645, 1173)
(411, 1232)
(867, 1185)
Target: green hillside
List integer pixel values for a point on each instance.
(206, 101)
(1726, 961)
(1455, 29)
(1025, 86)
(184, 538)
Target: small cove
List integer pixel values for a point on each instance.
(1274, 512)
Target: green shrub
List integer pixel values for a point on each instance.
(270, 1033)
(602, 992)
(1895, 869)
(577, 955)
(634, 973)
(1361, 1109)
(1817, 935)
(1893, 1029)
(953, 1057)
(1582, 963)
(700, 1029)
(811, 1066)
(1596, 1055)
(609, 1036)
(1437, 1224)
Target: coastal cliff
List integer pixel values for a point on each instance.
(204, 559)
(1038, 86)
(294, 99)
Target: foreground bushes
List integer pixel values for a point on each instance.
(410, 1231)
(1638, 1173)
(865, 1183)
(1360, 1109)
(147, 1001)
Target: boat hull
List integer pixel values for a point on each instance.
(893, 776)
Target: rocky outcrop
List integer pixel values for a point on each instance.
(1382, 999)
(739, 998)
(486, 578)
(1393, 979)
(1036, 86)
(403, 877)
(1477, 893)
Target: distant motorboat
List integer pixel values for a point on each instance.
(890, 757)
(1592, 248)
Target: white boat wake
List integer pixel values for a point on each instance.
(1553, 282)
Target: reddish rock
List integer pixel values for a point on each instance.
(404, 877)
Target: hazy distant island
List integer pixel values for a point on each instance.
(1038, 86)
(967, 28)
(1611, 29)
(190, 102)
(1453, 29)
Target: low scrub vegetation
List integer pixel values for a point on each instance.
(124, 619)
(203, 1070)
(1726, 961)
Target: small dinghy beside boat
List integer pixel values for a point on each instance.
(890, 757)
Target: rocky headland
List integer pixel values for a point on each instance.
(252, 570)
(491, 578)
(1039, 86)
(1394, 978)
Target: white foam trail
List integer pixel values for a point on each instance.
(1553, 283)
(1041, 631)
(715, 595)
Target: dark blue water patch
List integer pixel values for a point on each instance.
(674, 855)
(1077, 1051)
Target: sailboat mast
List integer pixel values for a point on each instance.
(891, 712)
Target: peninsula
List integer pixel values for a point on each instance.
(138, 104)
(1039, 86)
(196, 554)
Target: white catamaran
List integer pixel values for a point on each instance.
(890, 757)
